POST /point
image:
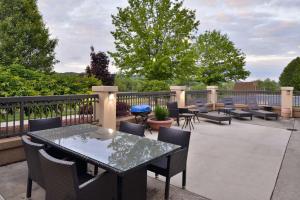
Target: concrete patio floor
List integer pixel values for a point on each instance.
(247, 160)
(239, 161)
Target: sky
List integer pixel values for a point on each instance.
(267, 31)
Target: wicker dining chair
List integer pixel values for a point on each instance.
(43, 124)
(177, 162)
(135, 129)
(33, 162)
(61, 181)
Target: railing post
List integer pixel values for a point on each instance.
(180, 95)
(106, 106)
(22, 117)
(212, 95)
(287, 101)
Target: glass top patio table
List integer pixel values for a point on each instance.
(112, 150)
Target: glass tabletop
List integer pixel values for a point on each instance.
(111, 149)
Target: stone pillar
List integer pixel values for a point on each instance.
(180, 95)
(106, 107)
(287, 101)
(213, 95)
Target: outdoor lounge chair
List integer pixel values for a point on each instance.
(228, 105)
(135, 129)
(201, 106)
(256, 111)
(177, 162)
(61, 181)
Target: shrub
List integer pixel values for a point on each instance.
(161, 113)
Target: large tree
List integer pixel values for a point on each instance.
(24, 39)
(152, 39)
(219, 60)
(99, 67)
(291, 74)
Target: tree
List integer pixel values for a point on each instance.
(268, 85)
(99, 67)
(152, 39)
(219, 60)
(291, 74)
(24, 39)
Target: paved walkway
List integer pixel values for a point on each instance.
(239, 161)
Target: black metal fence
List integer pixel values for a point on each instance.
(271, 98)
(127, 99)
(16, 111)
(192, 96)
(296, 99)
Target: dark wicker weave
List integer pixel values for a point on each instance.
(61, 181)
(174, 111)
(43, 124)
(135, 129)
(255, 110)
(175, 163)
(33, 163)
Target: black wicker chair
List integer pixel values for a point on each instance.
(201, 106)
(61, 181)
(33, 163)
(43, 124)
(174, 111)
(56, 122)
(177, 161)
(135, 129)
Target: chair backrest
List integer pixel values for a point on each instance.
(228, 102)
(60, 177)
(42, 124)
(201, 105)
(252, 103)
(173, 109)
(135, 129)
(174, 136)
(33, 160)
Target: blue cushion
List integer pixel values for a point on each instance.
(140, 108)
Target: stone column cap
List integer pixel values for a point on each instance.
(287, 88)
(212, 87)
(177, 87)
(105, 89)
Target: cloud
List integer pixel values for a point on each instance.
(266, 30)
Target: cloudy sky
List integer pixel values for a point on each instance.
(268, 31)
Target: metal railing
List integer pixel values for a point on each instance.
(16, 111)
(270, 98)
(296, 98)
(192, 96)
(127, 99)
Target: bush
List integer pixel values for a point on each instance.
(16, 80)
(161, 113)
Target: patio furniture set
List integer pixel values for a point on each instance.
(229, 111)
(57, 159)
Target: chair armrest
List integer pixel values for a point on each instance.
(178, 161)
(103, 185)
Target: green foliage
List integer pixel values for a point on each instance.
(154, 85)
(152, 39)
(16, 80)
(291, 74)
(161, 113)
(268, 84)
(24, 39)
(219, 60)
(133, 84)
(226, 86)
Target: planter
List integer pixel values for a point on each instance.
(154, 124)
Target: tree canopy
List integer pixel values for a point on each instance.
(99, 67)
(219, 60)
(291, 74)
(24, 39)
(152, 39)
